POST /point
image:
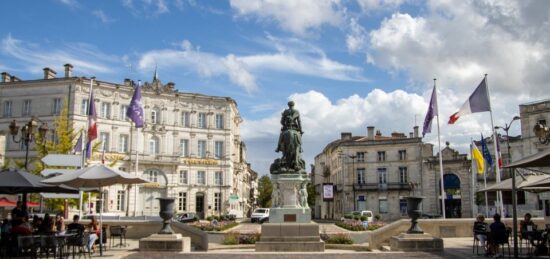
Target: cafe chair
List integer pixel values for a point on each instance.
(117, 231)
(49, 243)
(78, 244)
(476, 245)
(506, 243)
(27, 246)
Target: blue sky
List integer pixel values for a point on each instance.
(348, 64)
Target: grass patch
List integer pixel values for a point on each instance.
(233, 238)
(341, 239)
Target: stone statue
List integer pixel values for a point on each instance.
(303, 195)
(290, 143)
(276, 197)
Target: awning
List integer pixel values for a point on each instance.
(5, 202)
(541, 159)
(521, 183)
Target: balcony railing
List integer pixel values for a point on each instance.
(382, 186)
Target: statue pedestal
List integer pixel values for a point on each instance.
(416, 242)
(165, 243)
(289, 208)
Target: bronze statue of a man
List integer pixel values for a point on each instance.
(290, 139)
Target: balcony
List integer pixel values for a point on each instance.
(395, 186)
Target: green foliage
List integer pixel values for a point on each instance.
(343, 239)
(265, 188)
(377, 217)
(219, 226)
(231, 239)
(311, 195)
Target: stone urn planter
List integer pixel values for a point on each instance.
(414, 212)
(166, 213)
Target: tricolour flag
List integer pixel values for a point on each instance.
(499, 155)
(486, 153)
(92, 126)
(135, 110)
(78, 146)
(478, 102)
(478, 157)
(432, 112)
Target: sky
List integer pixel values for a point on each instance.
(347, 64)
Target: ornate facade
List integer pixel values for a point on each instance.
(190, 147)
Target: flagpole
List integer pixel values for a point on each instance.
(474, 178)
(495, 140)
(442, 193)
(486, 199)
(136, 170)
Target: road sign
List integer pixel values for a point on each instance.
(62, 160)
(51, 171)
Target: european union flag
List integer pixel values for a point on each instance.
(485, 151)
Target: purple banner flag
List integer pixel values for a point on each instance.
(78, 146)
(135, 110)
(432, 112)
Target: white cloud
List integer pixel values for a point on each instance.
(69, 3)
(460, 41)
(84, 57)
(292, 57)
(298, 17)
(149, 8)
(368, 6)
(100, 14)
(357, 39)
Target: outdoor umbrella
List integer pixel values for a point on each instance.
(16, 181)
(96, 176)
(521, 183)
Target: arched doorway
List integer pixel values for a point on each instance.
(199, 204)
(151, 191)
(453, 197)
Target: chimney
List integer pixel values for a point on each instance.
(68, 70)
(370, 132)
(127, 82)
(6, 77)
(345, 136)
(411, 135)
(415, 131)
(49, 73)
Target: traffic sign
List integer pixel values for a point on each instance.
(62, 160)
(52, 171)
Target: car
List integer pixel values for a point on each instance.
(260, 215)
(187, 217)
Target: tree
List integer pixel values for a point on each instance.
(264, 192)
(311, 195)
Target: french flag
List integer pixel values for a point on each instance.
(92, 128)
(478, 102)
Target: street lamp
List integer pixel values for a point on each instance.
(28, 132)
(542, 132)
(506, 128)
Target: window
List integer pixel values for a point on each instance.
(202, 148)
(219, 121)
(360, 156)
(201, 121)
(403, 177)
(218, 180)
(84, 105)
(184, 147)
(154, 146)
(182, 201)
(361, 175)
(123, 110)
(218, 149)
(104, 137)
(402, 154)
(403, 207)
(201, 177)
(123, 143)
(7, 108)
(183, 177)
(383, 206)
(105, 110)
(57, 104)
(185, 119)
(217, 201)
(27, 108)
(154, 116)
(382, 177)
(381, 155)
(152, 176)
(120, 198)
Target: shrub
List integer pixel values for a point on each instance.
(347, 216)
(209, 218)
(218, 226)
(363, 218)
(231, 239)
(377, 217)
(249, 238)
(375, 226)
(356, 225)
(343, 239)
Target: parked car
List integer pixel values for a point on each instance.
(358, 214)
(260, 215)
(187, 217)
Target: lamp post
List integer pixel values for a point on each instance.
(506, 128)
(28, 132)
(542, 132)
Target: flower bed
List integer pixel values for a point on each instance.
(343, 239)
(356, 225)
(215, 225)
(236, 238)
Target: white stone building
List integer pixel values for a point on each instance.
(190, 147)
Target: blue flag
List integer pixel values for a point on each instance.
(78, 146)
(135, 110)
(485, 151)
(432, 112)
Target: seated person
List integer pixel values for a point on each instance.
(480, 231)
(93, 227)
(528, 229)
(24, 228)
(497, 235)
(47, 225)
(75, 225)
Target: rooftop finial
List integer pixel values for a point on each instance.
(156, 76)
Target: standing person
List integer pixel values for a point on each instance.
(93, 227)
(17, 213)
(480, 231)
